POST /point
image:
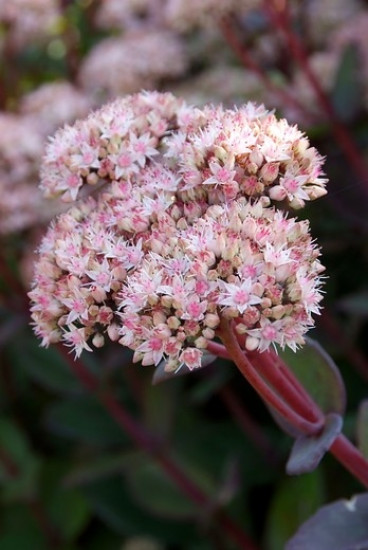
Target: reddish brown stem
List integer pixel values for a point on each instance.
(218, 349)
(242, 54)
(342, 448)
(285, 384)
(351, 458)
(147, 442)
(245, 366)
(281, 19)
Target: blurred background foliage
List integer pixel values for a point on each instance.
(70, 476)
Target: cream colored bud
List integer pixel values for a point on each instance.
(251, 343)
(256, 157)
(153, 299)
(98, 340)
(200, 342)
(98, 293)
(277, 193)
(257, 289)
(230, 313)
(158, 318)
(316, 191)
(113, 332)
(208, 333)
(278, 311)
(241, 329)
(266, 302)
(92, 178)
(297, 204)
(173, 322)
(211, 320)
(269, 171)
(171, 365)
(252, 168)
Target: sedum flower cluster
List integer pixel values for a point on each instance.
(140, 58)
(25, 21)
(173, 224)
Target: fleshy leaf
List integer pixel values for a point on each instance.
(113, 503)
(308, 451)
(161, 375)
(362, 428)
(347, 93)
(84, 419)
(20, 477)
(155, 493)
(288, 510)
(46, 367)
(342, 525)
(318, 373)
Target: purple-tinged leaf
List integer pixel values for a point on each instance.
(161, 375)
(362, 428)
(308, 451)
(342, 525)
(318, 373)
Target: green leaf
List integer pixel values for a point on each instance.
(113, 503)
(67, 508)
(207, 386)
(342, 525)
(159, 405)
(362, 428)
(308, 451)
(84, 419)
(347, 94)
(24, 539)
(98, 468)
(294, 501)
(318, 373)
(157, 494)
(45, 367)
(19, 468)
(19, 529)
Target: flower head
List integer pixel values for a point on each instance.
(172, 238)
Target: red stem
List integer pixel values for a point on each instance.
(351, 458)
(281, 19)
(249, 63)
(342, 448)
(147, 442)
(245, 366)
(275, 372)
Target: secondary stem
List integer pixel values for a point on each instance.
(281, 20)
(351, 458)
(342, 448)
(245, 366)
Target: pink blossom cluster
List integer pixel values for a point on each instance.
(174, 228)
(53, 104)
(185, 14)
(29, 20)
(139, 59)
(122, 15)
(20, 152)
